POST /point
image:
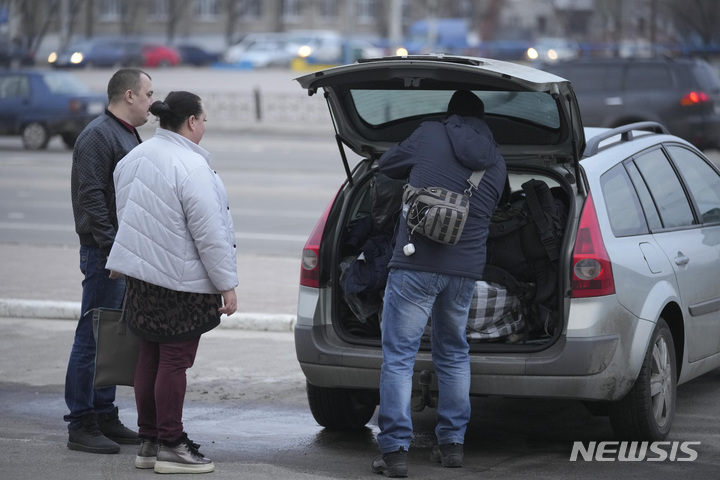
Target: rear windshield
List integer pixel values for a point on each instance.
(379, 107)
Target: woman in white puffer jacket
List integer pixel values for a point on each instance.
(176, 247)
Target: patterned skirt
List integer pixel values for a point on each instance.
(160, 314)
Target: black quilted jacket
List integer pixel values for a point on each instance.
(103, 143)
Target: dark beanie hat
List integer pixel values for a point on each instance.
(466, 104)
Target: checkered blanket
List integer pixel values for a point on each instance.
(494, 313)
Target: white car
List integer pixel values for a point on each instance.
(632, 307)
(262, 50)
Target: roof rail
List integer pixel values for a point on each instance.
(626, 135)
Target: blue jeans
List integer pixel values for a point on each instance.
(98, 291)
(411, 297)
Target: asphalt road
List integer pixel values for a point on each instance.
(246, 406)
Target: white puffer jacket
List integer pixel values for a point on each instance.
(175, 229)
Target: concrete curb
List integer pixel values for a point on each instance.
(18, 308)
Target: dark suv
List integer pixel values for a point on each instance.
(681, 94)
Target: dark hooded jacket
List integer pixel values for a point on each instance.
(444, 154)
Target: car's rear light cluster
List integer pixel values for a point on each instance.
(694, 98)
(592, 270)
(310, 265)
(75, 106)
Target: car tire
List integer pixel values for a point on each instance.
(646, 413)
(35, 136)
(69, 139)
(341, 408)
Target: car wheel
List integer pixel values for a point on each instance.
(341, 408)
(35, 136)
(647, 411)
(69, 139)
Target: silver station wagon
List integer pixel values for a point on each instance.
(602, 282)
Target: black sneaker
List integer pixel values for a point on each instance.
(89, 438)
(449, 455)
(147, 453)
(112, 428)
(182, 456)
(393, 464)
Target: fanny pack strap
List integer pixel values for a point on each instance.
(474, 181)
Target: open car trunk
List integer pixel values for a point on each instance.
(518, 302)
(535, 120)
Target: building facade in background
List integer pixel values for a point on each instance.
(224, 22)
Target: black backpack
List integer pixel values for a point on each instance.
(523, 249)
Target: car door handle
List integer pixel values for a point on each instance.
(681, 259)
(613, 101)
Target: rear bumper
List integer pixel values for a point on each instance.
(599, 359)
(572, 368)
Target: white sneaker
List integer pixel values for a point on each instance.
(184, 457)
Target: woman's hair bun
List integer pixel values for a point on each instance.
(159, 107)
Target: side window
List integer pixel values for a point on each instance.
(9, 85)
(651, 214)
(665, 188)
(648, 77)
(624, 211)
(702, 181)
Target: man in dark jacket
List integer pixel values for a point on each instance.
(436, 281)
(93, 422)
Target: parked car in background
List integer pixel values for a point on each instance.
(262, 50)
(156, 55)
(99, 52)
(682, 94)
(632, 305)
(195, 55)
(37, 104)
(551, 49)
(334, 51)
(13, 54)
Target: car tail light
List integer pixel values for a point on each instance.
(310, 265)
(694, 98)
(592, 270)
(75, 106)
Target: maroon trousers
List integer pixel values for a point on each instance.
(160, 383)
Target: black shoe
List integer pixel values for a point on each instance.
(449, 455)
(111, 426)
(89, 438)
(393, 464)
(182, 456)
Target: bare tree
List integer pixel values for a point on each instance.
(131, 10)
(488, 17)
(277, 11)
(695, 18)
(232, 14)
(178, 10)
(34, 26)
(610, 13)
